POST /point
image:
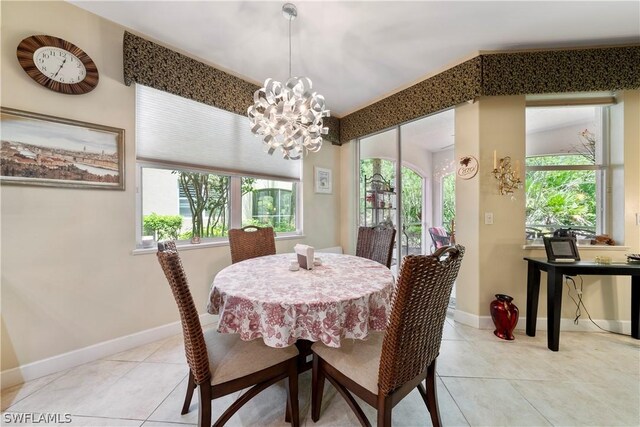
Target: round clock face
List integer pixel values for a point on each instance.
(57, 64)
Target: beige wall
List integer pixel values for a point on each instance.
(69, 279)
(493, 263)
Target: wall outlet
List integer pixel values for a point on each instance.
(488, 218)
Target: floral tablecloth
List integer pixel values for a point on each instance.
(345, 297)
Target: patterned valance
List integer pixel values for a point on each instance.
(451, 87)
(557, 71)
(156, 66)
(518, 73)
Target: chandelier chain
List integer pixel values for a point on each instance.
(290, 47)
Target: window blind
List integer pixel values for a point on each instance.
(178, 131)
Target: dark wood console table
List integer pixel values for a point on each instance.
(555, 271)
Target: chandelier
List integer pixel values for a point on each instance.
(288, 116)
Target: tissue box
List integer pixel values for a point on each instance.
(302, 260)
(305, 256)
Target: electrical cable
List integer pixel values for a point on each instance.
(581, 303)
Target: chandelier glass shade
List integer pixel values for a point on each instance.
(288, 116)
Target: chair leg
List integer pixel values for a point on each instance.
(430, 395)
(287, 412)
(204, 409)
(317, 388)
(292, 394)
(191, 386)
(384, 410)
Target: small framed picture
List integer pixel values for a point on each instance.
(323, 180)
(561, 249)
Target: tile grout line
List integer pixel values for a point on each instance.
(530, 404)
(455, 401)
(166, 397)
(35, 391)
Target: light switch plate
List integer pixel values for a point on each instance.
(488, 218)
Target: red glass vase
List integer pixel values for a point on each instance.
(505, 316)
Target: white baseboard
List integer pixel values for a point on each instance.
(585, 325)
(61, 362)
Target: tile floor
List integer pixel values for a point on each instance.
(593, 380)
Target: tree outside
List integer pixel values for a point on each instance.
(560, 198)
(448, 201)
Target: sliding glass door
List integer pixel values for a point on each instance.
(398, 170)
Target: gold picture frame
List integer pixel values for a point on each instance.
(50, 151)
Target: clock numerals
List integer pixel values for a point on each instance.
(60, 65)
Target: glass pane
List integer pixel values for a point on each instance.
(378, 183)
(560, 199)
(412, 205)
(377, 177)
(269, 203)
(573, 134)
(178, 204)
(448, 201)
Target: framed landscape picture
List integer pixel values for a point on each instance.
(45, 150)
(323, 182)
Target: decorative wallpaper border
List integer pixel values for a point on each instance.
(517, 73)
(145, 62)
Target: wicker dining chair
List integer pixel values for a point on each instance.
(221, 364)
(376, 243)
(388, 366)
(245, 244)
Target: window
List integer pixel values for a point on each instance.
(201, 172)
(566, 170)
(199, 202)
(269, 203)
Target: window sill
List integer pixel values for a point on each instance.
(584, 247)
(187, 246)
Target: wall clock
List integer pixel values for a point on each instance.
(57, 64)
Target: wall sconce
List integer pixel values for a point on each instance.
(508, 177)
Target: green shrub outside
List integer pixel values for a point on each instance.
(162, 226)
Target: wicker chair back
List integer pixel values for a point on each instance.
(412, 339)
(376, 243)
(251, 244)
(195, 347)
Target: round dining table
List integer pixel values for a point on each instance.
(261, 298)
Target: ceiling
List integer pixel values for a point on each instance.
(359, 52)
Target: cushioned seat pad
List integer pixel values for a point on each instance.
(231, 358)
(358, 360)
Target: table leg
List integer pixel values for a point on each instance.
(554, 304)
(304, 347)
(635, 306)
(533, 292)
